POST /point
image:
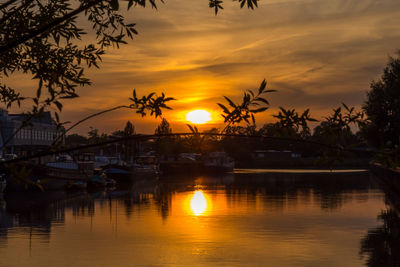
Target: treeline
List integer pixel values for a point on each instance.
(345, 133)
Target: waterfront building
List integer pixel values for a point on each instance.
(38, 135)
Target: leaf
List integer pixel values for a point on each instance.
(130, 4)
(39, 90)
(259, 110)
(190, 127)
(223, 108)
(262, 100)
(114, 4)
(262, 86)
(230, 102)
(59, 105)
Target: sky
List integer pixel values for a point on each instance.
(315, 53)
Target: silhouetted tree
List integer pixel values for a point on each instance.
(163, 127)
(164, 145)
(75, 139)
(129, 145)
(383, 107)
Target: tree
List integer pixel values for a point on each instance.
(75, 139)
(382, 107)
(163, 128)
(129, 145)
(291, 124)
(164, 145)
(252, 103)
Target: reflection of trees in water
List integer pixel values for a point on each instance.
(135, 202)
(381, 245)
(280, 190)
(33, 213)
(163, 197)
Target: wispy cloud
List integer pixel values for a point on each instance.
(316, 53)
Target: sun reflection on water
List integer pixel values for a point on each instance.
(198, 203)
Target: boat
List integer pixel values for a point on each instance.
(146, 165)
(3, 183)
(100, 180)
(218, 162)
(119, 171)
(64, 173)
(80, 169)
(184, 164)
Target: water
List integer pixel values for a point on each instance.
(243, 219)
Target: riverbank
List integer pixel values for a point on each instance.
(303, 163)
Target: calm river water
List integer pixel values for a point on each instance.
(250, 218)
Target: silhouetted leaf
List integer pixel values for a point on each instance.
(230, 102)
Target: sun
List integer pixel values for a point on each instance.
(198, 116)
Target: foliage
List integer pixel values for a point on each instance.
(95, 137)
(336, 128)
(291, 124)
(252, 103)
(335, 131)
(164, 145)
(383, 108)
(40, 39)
(129, 146)
(75, 139)
(163, 128)
(129, 129)
(217, 4)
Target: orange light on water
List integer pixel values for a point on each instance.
(198, 203)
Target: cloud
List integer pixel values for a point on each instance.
(317, 53)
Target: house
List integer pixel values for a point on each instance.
(38, 135)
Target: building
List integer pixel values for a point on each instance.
(38, 135)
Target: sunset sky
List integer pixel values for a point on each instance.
(316, 53)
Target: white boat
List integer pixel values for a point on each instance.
(102, 161)
(81, 169)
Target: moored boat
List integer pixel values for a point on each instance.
(146, 165)
(218, 162)
(100, 180)
(184, 164)
(66, 173)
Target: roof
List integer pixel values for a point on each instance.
(44, 118)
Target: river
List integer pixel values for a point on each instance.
(249, 218)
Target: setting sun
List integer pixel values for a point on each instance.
(198, 116)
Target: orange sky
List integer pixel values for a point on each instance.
(316, 53)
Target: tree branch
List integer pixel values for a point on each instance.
(35, 32)
(87, 118)
(6, 4)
